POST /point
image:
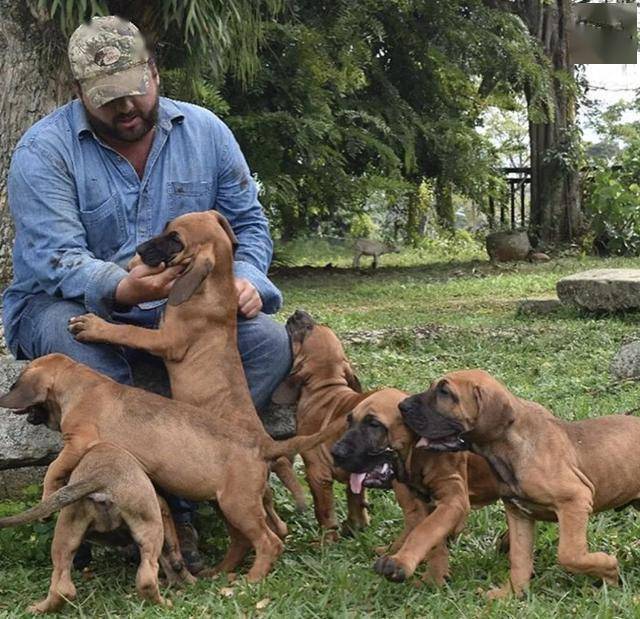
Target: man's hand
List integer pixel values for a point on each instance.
(249, 301)
(145, 283)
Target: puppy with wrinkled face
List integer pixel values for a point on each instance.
(435, 490)
(548, 469)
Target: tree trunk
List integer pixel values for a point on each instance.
(555, 196)
(33, 82)
(444, 204)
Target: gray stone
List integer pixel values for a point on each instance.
(626, 362)
(14, 481)
(601, 289)
(22, 444)
(508, 245)
(538, 307)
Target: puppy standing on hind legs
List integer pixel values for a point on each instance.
(197, 338)
(108, 490)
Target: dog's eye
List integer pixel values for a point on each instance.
(442, 390)
(374, 423)
(350, 419)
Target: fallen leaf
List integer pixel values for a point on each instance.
(263, 603)
(227, 592)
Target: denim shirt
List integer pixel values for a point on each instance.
(80, 209)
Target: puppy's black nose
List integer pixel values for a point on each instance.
(339, 450)
(407, 404)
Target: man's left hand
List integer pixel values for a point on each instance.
(249, 301)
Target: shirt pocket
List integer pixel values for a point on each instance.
(105, 228)
(189, 197)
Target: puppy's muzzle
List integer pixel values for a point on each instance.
(438, 432)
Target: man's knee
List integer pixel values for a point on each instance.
(265, 350)
(44, 329)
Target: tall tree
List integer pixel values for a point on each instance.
(553, 133)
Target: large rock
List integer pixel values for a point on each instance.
(601, 289)
(508, 246)
(22, 444)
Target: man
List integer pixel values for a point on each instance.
(104, 173)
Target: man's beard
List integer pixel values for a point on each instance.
(114, 131)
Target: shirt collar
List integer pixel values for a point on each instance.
(168, 113)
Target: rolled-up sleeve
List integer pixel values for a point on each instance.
(44, 206)
(237, 200)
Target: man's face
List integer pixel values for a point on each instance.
(126, 119)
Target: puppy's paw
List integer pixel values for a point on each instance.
(43, 607)
(166, 602)
(391, 569)
(329, 537)
(499, 593)
(89, 328)
(382, 550)
(435, 577)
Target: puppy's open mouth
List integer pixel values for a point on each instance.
(379, 478)
(454, 442)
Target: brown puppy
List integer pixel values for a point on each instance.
(325, 388)
(549, 469)
(183, 449)
(108, 489)
(197, 338)
(435, 490)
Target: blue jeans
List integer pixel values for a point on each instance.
(263, 343)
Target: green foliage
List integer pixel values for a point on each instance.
(209, 37)
(445, 247)
(612, 184)
(362, 226)
(33, 539)
(360, 91)
(613, 205)
(181, 84)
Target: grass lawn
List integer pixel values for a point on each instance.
(467, 315)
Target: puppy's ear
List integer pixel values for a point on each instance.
(399, 435)
(188, 282)
(494, 411)
(134, 262)
(352, 379)
(288, 391)
(226, 226)
(25, 392)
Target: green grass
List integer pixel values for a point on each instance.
(469, 311)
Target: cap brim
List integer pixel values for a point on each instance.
(126, 83)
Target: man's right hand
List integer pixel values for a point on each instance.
(145, 283)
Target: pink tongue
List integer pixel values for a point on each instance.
(355, 482)
(423, 442)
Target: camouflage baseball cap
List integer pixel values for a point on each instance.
(109, 58)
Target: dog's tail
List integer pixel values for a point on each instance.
(290, 447)
(59, 499)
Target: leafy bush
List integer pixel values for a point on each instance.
(612, 205)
